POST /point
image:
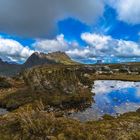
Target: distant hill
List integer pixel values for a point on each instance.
(36, 59)
(50, 58)
(7, 69)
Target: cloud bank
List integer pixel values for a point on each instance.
(12, 50)
(37, 18)
(96, 46)
(106, 45)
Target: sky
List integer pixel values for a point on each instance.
(91, 30)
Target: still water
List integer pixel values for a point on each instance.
(111, 97)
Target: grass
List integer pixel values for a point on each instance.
(19, 98)
(35, 124)
(4, 83)
(116, 76)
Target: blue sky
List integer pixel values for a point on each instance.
(86, 31)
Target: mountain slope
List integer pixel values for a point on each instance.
(36, 59)
(50, 58)
(7, 69)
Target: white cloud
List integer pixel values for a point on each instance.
(127, 49)
(127, 10)
(51, 45)
(98, 46)
(103, 45)
(97, 41)
(73, 49)
(79, 53)
(13, 50)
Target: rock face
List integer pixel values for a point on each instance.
(51, 58)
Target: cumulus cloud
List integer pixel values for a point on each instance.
(73, 49)
(13, 50)
(79, 53)
(97, 46)
(51, 45)
(99, 42)
(39, 17)
(127, 10)
(107, 46)
(127, 49)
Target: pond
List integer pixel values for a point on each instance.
(111, 97)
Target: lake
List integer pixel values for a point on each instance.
(111, 97)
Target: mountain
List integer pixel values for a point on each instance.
(11, 69)
(2, 62)
(50, 58)
(7, 69)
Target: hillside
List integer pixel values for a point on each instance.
(7, 69)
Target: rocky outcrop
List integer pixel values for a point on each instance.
(68, 85)
(64, 78)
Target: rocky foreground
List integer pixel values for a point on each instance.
(39, 100)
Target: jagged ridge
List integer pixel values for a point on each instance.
(50, 58)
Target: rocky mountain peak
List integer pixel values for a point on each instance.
(51, 58)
